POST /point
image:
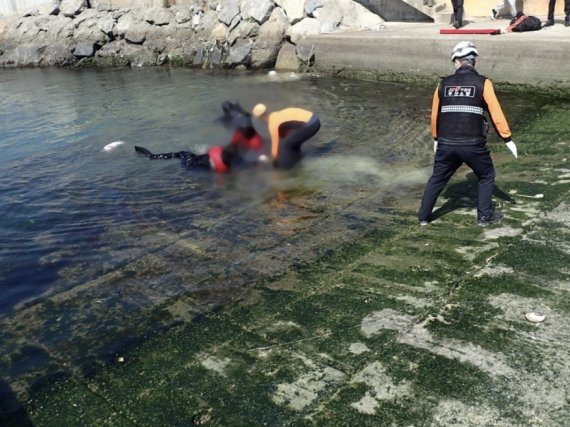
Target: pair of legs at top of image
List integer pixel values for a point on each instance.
(499, 9)
(457, 13)
(550, 17)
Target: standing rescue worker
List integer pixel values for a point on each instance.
(457, 13)
(288, 129)
(459, 128)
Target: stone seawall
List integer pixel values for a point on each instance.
(200, 33)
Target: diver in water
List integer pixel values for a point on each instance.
(245, 147)
(289, 129)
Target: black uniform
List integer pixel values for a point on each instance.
(551, 6)
(460, 128)
(457, 13)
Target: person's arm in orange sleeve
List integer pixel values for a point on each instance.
(496, 112)
(498, 118)
(434, 114)
(273, 126)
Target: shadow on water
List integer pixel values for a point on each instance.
(12, 413)
(464, 195)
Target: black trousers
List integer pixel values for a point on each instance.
(551, 6)
(457, 10)
(289, 153)
(188, 158)
(447, 159)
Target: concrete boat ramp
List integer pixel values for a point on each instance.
(540, 58)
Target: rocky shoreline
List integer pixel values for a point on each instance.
(246, 34)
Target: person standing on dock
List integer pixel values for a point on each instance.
(459, 128)
(457, 13)
(501, 5)
(550, 18)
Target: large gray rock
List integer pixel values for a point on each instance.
(306, 27)
(229, 9)
(137, 33)
(244, 30)
(117, 4)
(71, 8)
(294, 9)
(207, 22)
(220, 32)
(37, 55)
(287, 58)
(311, 6)
(345, 15)
(269, 39)
(107, 26)
(60, 28)
(256, 9)
(127, 22)
(87, 27)
(215, 55)
(182, 15)
(159, 16)
(138, 56)
(240, 53)
(29, 54)
(197, 4)
(357, 17)
(84, 49)
(57, 54)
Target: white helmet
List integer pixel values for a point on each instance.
(463, 50)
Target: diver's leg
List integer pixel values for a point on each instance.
(290, 146)
(191, 160)
(152, 156)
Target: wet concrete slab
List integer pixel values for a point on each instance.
(537, 58)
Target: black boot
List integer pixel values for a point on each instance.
(567, 21)
(549, 23)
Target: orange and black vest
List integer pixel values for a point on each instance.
(461, 116)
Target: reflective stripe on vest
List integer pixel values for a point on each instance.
(461, 118)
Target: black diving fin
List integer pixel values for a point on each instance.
(142, 150)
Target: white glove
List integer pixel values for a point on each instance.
(435, 146)
(263, 158)
(511, 146)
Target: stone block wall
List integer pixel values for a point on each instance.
(201, 33)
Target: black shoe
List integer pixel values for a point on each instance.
(458, 24)
(549, 23)
(484, 221)
(567, 22)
